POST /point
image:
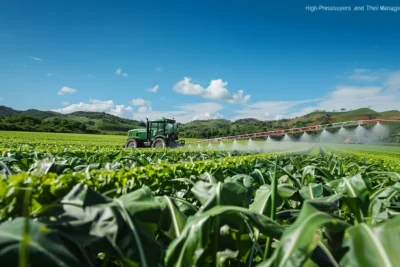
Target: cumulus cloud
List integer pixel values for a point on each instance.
(66, 90)
(379, 98)
(96, 105)
(184, 113)
(216, 90)
(144, 109)
(208, 116)
(140, 102)
(144, 105)
(121, 111)
(65, 103)
(36, 58)
(119, 72)
(154, 89)
(354, 97)
(269, 110)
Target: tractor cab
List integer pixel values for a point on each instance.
(162, 127)
(158, 133)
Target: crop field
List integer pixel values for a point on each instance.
(84, 200)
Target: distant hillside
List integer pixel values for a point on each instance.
(101, 122)
(215, 128)
(79, 122)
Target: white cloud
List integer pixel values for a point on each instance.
(208, 116)
(93, 105)
(66, 90)
(366, 75)
(364, 78)
(36, 58)
(216, 90)
(49, 74)
(393, 81)
(184, 113)
(65, 103)
(269, 110)
(144, 106)
(120, 72)
(354, 97)
(144, 109)
(154, 89)
(140, 102)
(96, 105)
(121, 111)
(354, 91)
(378, 98)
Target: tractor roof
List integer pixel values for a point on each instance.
(164, 119)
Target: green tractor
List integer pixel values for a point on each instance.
(158, 134)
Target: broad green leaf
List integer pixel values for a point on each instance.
(229, 193)
(46, 247)
(172, 221)
(299, 240)
(286, 191)
(311, 191)
(262, 201)
(381, 200)
(188, 249)
(353, 187)
(372, 246)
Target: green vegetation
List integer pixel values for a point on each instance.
(100, 122)
(71, 200)
(77, 122)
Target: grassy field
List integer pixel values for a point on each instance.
(32, 138)
(373, 149)
(12, 137)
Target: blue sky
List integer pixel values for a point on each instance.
(198, 59)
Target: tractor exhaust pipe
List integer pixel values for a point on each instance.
(147, 129)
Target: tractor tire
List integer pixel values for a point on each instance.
(132, 143)
(159, 143)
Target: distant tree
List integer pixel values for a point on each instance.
(342, 109)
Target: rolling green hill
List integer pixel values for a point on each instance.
(101, 122)
(76, 122)
(215, 128)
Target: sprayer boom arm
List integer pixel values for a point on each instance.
(295, 130)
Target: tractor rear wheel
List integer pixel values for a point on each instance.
(159, 143)
(131, 144)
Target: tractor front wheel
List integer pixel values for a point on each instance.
(159, 143)
(131, 144)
